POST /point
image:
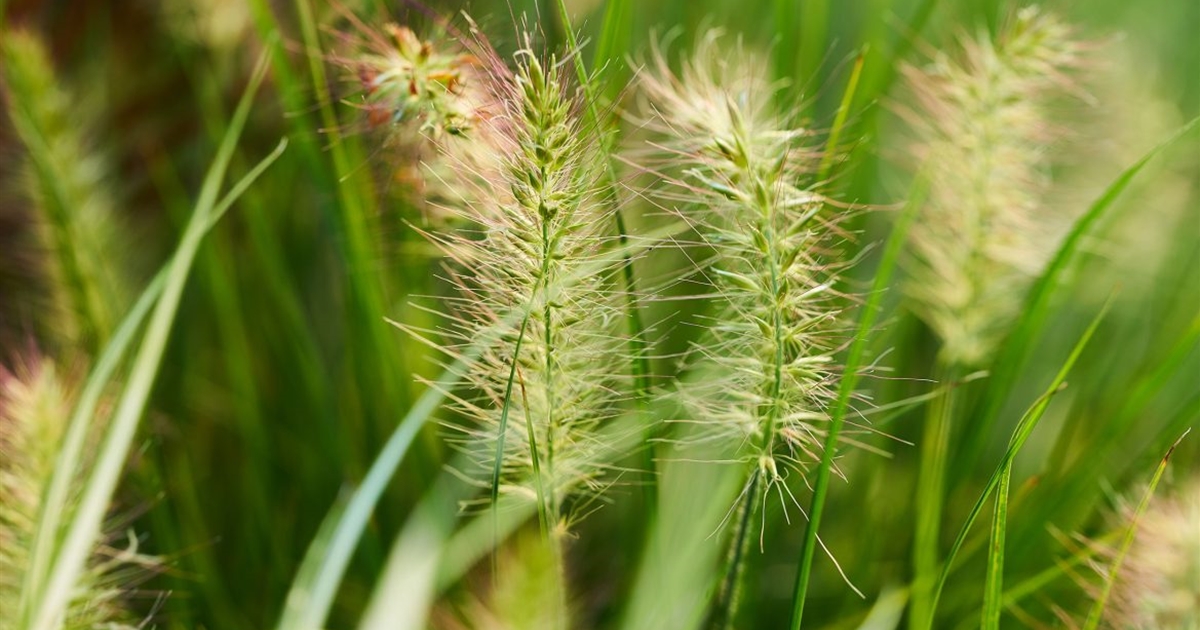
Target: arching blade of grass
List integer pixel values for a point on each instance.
(1093, 618)
(54, 500)
(1022, 432)
(850, 376)
(324, 565)
(44, 602)
(1020, 344)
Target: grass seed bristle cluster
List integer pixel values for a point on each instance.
(741, 178)
(35, 403)
(984, 232)
(535, 222)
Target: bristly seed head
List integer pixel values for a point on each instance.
(35, 405)
(738, 173)
(983, 233)
(537, 223)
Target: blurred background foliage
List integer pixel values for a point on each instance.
(283, 376)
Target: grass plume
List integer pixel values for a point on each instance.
(66, 180)
(743, 170)
(35, 403)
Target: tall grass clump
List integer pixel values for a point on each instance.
(73, 209)
(984, 233)
(741, 174)
(35, 404)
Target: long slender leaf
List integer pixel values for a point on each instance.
(1036, 310)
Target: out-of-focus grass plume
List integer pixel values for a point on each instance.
(984, 144)
(70, 194)
(35, 403)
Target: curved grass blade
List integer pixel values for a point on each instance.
(54, 499)
(994, 586)
(46, 602)
(1093, 618)
(837, 415)
(1022, 432)
(1016, 350)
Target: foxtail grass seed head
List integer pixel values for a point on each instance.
(983, 137)
(739, 172)
(1158, 585)
(66, 181)
(535, 225)
(35, 402)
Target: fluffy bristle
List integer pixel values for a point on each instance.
(81, 232)
(1158, 585)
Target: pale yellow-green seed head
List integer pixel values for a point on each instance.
(983, 137)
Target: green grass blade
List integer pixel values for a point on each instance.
(54, 500)
(839, 121)
(48, 602)
(1024, 428)
(1094, 615)
(1015, 352)
(994, 586)
(614, 38)
(837, 415)
(887, 611)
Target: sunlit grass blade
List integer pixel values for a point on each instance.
(887, 611)
(44, 607)
(1020, 344)
(1020, 434)
(1097, 610)
(837, 415)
